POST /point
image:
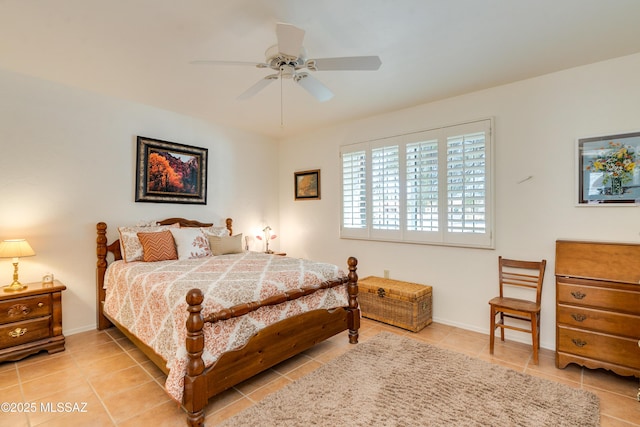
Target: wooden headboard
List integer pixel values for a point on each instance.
(103, 249)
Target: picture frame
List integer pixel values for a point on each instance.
(608, 169)
(307, 185)
(168, 172)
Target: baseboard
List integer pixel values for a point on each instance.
(517, 337)
(85, 328)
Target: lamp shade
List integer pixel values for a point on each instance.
(15, 248)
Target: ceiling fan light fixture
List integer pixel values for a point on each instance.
(287, 71)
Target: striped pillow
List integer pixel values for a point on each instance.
(130, 244)
(158, 246)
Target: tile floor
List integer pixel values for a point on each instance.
(121, 387)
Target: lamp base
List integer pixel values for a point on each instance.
(15, 287)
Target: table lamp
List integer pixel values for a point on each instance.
(267, 236)
(15, 248)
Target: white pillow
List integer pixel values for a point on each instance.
(130, 245)
(191, 242)
(225, 244)
(216, 231)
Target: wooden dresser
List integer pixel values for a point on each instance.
(598, 305)
(31, 321)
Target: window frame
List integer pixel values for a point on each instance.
(366, 229)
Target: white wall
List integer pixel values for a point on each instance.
(67, 161)
(537, 122)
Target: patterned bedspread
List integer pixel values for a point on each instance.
(149, 300)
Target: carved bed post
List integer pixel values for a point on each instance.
(195, 385)
(229, 223)
(101, 267)
(352, 289)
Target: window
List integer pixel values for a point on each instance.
(431, 187)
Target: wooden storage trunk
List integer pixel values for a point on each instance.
(403, 304)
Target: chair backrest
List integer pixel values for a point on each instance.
(524, 274)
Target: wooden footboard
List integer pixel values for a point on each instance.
(270, 346)
(267, 348)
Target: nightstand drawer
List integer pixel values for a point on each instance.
(23, 332)
(25, 308)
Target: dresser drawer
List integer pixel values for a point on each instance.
(602, 297)
(23, 332)
(626, 325)
(593, 345)
(25, 308)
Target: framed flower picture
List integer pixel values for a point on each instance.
(608, 170)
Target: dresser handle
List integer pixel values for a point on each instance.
(17, 332)
(578, 317)
(578, 342)
(578, 294)
(40, 304)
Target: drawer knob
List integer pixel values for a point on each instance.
(578, 294)
(578, 317)
(17, 332)
(578, 342)
(381, 292)
(41, 304)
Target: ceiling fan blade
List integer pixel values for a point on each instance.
(239, 63)
(345, 63)
(258, 87)
(313, 86)
(289, 39)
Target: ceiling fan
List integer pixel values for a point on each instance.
(288, 58)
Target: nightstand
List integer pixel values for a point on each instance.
(31, 321)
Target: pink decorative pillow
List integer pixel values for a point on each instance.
(191, 243)
(130, 245)
(158, 246)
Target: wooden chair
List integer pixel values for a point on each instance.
(522, 274)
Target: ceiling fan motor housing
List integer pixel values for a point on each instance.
(283, 63)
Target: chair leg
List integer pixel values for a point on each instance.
(538, 337)
(535, 338)
(502, 329)
(492, 330)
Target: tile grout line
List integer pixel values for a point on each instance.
(95, 392)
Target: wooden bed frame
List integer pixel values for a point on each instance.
(270, 346)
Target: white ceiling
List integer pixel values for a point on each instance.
(430, 49)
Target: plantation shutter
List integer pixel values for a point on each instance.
(422, 186)
(354, 191)
(467, 183)
(385, 188)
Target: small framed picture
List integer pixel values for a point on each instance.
(608, 171)
(307, 185)
(167, 172)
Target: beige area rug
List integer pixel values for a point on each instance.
(395, 381)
